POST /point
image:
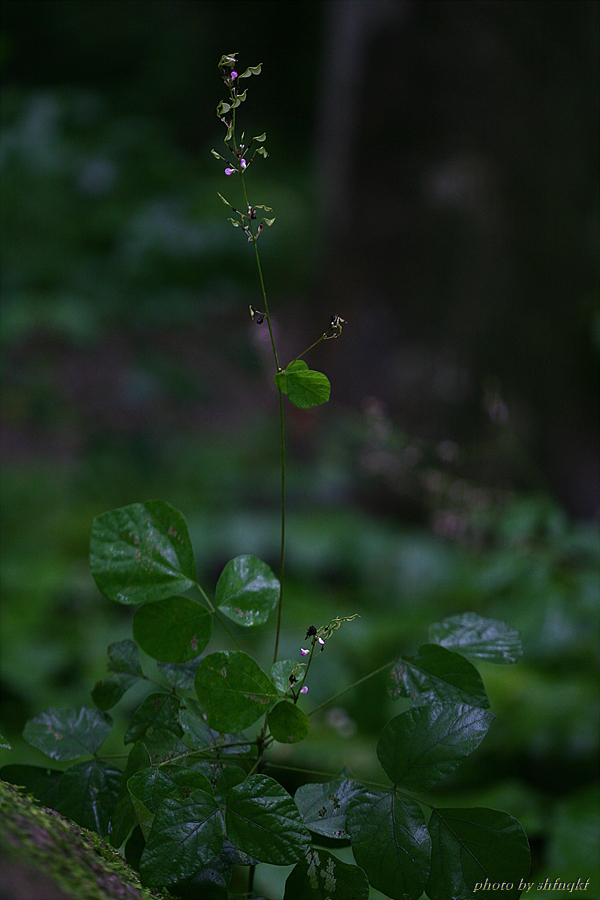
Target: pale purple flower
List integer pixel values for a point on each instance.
(243, 164)
(234, 74)
(304, 690)
(304, 652)
(229, 170)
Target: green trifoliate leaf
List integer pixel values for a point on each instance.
(321, 876)
(173, 630)
(65, 734)
(422, 746)
(263, 821)
(324, 807)
(88, 792)
(287, 723)
(436, 675)
(472, 635)
(124, 670)
(186, 835)
(390, 842)
(149, 787)
(252, 70)
(156, 723)
(473, 848)
(142, 553)
(233, 690)
(304, 387)
(247, 591)
(124, 818)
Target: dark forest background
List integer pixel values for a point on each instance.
(433, 170)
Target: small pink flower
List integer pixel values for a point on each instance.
(243, 164)
(230, 171)
(304, 690)
(304, 652)
(233, 75)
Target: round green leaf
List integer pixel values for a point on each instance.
(324, 807)
(263, 821)
(173, 630)
(287, 723)
(390, 842)
(436, 675)
(304, 387)
(423, 745)
(474, 847)
(185, 836)
(233, 690)
(142, 553)
(88, 792)
(68, 733)
(247, 591)
(480, 638)
(322, 876)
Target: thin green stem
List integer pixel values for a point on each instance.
(350, 686)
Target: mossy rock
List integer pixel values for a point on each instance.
(44, 856)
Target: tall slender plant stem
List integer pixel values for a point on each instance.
(281, 425)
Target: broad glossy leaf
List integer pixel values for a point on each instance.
(142, 553)
(304, 387)
(124, 671)
(233, 690)
(247, 591)
(67, 734)
(436, 675)
(324, 807)
(390, 842)
(471, 846)
(480, 638)
(124, 819)
(149, 787)
(36, 780)
(422, 746)
(156, 723)
(322, 876)
(287, 723)
(186, 835)
(88, 792)
(173, 630)
(263, 821)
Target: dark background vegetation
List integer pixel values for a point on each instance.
(433, 170)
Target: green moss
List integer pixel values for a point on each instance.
(73, 859)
